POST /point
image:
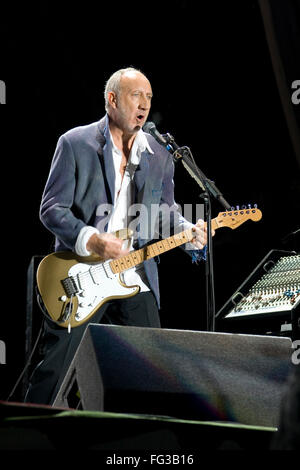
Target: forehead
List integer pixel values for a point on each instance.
(135, 81)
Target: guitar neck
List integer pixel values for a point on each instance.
(150, 251)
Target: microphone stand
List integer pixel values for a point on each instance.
(185, 156)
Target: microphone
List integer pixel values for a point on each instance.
(166, 140)
(150, 128)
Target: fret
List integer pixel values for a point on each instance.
(177, 239)
(114, 265)
(189, 235)
(136, 257)
(155, 249)
(171, 242)
(160, 247)
(165, 244)
(150, 252)
(182, 237)
(128, 261)
(122, 264)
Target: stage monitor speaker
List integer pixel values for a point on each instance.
(178, 373)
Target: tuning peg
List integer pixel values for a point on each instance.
(237, 208)
(249, 206)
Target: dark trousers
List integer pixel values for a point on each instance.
(60, 345)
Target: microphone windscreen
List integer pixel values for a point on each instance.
(148, 127)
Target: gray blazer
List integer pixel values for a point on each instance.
(80, 181)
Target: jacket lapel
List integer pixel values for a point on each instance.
(140, 175)
(107, 167)
(142, 171)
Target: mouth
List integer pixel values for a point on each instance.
(140, 118)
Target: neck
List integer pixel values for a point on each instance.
(122, 140)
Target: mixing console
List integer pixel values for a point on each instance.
(278, 289)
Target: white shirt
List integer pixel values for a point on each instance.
(123, 199)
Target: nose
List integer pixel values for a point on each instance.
(145, 102)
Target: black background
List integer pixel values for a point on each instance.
(214, 90)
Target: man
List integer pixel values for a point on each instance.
(99, 172)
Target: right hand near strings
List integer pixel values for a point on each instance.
(106, 245)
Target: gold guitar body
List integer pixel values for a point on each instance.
(73, 288)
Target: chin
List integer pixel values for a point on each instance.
(134, 130)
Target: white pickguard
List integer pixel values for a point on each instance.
(96, 282)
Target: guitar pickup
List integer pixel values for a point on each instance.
(70, 286)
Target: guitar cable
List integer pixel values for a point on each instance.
(27, 363)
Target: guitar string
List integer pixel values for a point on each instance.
(95, 270)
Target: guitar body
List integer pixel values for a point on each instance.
(73, 288)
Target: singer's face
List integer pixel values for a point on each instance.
(130, 109)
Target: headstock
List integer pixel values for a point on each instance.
(235, 217)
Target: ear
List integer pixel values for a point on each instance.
(112, 99)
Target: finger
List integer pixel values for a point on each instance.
(198, 244)
(200, 223)
(203, 226)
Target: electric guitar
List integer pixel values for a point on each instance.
(72, 287)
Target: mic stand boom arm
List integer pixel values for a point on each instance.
(185, 156)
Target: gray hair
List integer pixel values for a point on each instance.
(113, 83)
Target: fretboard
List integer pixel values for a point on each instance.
(150, 251)
(231, 219)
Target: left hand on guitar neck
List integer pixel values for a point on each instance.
(200, 230)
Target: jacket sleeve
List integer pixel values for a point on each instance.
(58, 196)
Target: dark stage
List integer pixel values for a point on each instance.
(224, 78)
